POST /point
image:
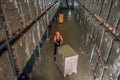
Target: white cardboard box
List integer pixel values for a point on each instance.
(67, 60)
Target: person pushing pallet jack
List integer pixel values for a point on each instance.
(58, 40)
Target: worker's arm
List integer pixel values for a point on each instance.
(55, 40)
(61, 40)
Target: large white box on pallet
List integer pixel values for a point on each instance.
(67, 60)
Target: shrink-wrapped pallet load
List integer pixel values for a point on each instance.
(67, 60)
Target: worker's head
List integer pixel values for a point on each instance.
(57, 33)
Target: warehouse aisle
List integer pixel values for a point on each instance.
(47, 69)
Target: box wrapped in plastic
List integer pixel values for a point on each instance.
(67, 60)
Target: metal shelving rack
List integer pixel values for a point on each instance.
(10, 39)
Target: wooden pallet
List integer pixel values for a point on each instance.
(65, 75)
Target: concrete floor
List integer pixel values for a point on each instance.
(46, 69)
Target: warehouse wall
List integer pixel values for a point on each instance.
(22, 25)
(99, 22)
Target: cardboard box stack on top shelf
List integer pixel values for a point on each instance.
(25, 10)
(18, 13)
(105, 9)
(114, 14)
(39, 7)
(32, 8)
(12, 14)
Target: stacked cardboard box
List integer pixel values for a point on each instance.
(95, 29)
(24, 4)
(99, 7)
(6, 71)
(29, 38)
(12, 15)
(44, 22)
(118, 27)
(106, 45)
(67, 60)
(91, 24)
(114, 14)
(113, 61)
(38, 30)
(32, 6)
(42, 27)
(35, 34)
(107, 75)
(100, 35)
(94, 58)
(99, 70)
(19, 52)
(39, 6)
(105, 9)
(2, 35)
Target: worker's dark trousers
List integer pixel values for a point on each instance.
(55, 46)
